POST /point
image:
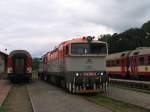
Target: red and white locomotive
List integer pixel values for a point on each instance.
(78, 65)
(19, 65)
(130, 64)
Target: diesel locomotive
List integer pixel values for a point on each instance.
(77, 65)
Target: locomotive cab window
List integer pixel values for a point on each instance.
(141, 60)
(67, 50)
(98, 48)
(85, 48)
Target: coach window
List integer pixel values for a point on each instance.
(113, 63)
(148, 60)
(117, 62)
(108, 63)
(122, 54)
(135, 53)
(141, 60)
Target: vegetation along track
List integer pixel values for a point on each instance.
(17, 100)
(115, 105)
(143, 86)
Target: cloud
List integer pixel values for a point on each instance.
(39, 25)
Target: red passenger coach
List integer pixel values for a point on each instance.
(133, 64)
(118, 64)
(19, 65)
(78, 65)
(140, 63)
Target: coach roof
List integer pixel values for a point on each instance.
(20, 52)
(140, 51)
(117, 55)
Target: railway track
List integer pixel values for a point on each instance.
(144, 85)
(17, 99)
(24, 98)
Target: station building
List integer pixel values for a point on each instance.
(3, 62)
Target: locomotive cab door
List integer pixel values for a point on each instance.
(19, 65)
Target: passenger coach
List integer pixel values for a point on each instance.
(133, 64)
(19, 65)
(78, 65)
(118, 64)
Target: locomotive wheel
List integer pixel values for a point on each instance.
(70, 87)
(105, 87)
(73, 88)
(42, 77)
(66, 86)
(45, 78)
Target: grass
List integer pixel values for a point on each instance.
(2, 110)
(115, 105)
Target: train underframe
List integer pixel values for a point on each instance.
(20, 77)
(75, 83)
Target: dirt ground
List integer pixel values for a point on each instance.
(5, 87)
(48, 98)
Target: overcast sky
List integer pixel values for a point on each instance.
(39, 25)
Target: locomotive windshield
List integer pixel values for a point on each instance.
(85, 48)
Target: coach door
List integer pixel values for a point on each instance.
(19, 65)
(123, 66)
(134, 65)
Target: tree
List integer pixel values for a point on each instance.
(146, 27)
(129, 39)
(35, 63)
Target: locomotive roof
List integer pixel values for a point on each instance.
(140, 51)
(75, 40)
(80, 40)
(20, 51)
(117, 55)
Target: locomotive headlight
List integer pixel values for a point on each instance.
(29, 69)
(77, 74)
(102, 73)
